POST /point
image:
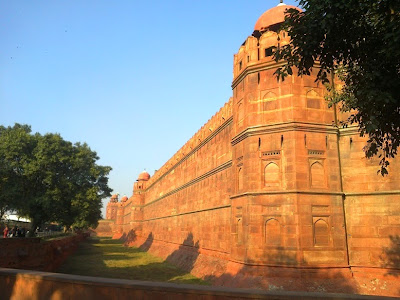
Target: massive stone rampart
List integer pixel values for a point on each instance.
(201, 138)
(179, 206)
(270, 184)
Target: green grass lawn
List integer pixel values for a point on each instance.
(104, 257)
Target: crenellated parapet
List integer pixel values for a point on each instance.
(257, 50)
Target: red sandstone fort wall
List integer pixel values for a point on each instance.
(271, 182)
(372, 205)
(187, 200)
(189, 204)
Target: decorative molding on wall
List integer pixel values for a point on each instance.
(313, 192)
(270, 153)
(316, 152)
(372, 193)
(218, 169)
(187, 213)
(349, 130)
(305, 192)
(283, 127)
(254, 69)
(200, 145)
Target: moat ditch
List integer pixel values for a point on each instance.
(105, 257)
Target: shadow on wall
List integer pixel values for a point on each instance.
(391, 255)
(129, 238)
(183, 258)
(282, 275)
(283, 272)
(186, 255)
(147, 243)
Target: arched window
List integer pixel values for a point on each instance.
(317, 175)
(272, 175)
(273, 232)
(321, 233)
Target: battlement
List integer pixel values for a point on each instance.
(222, 116)
(258, 50)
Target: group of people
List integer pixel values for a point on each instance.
(14, 232)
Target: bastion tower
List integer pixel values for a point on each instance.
(285, 160)
(270, 186)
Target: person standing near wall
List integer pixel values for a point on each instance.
(5, 232)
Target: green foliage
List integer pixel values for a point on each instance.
(49, 179)
(359, 40)
(16, 144)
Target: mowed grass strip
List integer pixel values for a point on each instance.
(104, 257)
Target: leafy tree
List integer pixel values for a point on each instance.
(16, 144)
(54, 179)
(86, 201)
(359, 41)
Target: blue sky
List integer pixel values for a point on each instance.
(133, 79)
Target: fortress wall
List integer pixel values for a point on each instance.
(269, 182)
(207, 192)
(316, 159)
(208, 158)
(281, 230)
(111, 213)
(270, 231)
(127, 216)
(198, 140)
(188, 201)
(372, 205)
(204, 229)
(294, 154)
(360, 173)
(104, 229)
(373, 223)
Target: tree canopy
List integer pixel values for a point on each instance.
(48, 179)
(359, 42)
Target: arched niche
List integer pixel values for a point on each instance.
(269, 101)
(317, 175)
(321, 233)
(313, 100)
(272, 232)
(272, 175)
